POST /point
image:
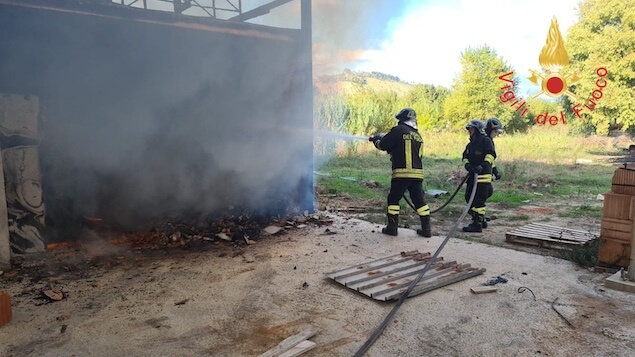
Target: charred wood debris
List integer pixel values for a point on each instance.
(228, 235)
(237, 230)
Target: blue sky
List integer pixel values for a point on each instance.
(421, 41)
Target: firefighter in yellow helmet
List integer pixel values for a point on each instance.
(405, 146)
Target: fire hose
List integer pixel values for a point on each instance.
(371, 340)
(443, 205)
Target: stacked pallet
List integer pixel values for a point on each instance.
(618, 220)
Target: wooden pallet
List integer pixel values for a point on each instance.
(389, 277)
(547, 236)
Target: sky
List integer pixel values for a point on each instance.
(419, 41)
(422, 41)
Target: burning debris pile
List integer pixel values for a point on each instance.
(239, 229)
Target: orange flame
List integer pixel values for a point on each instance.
(553, 56)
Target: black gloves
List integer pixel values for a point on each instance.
(474, 169)
(496, 174)
(376, 139)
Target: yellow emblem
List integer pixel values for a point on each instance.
(553, 58)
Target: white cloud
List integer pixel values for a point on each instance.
(427, 42)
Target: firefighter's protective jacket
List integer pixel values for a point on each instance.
(405, 146)
(480, 151)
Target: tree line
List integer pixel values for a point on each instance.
(603, 37)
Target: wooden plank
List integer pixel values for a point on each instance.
(560, 235)
(542, 238)
(341, 272)
(393, 278)
(533, 233)
(290, 342)
(554, 232)
(544, 235)
(472, 272)
(390, 276)
(539, 242)
(299, 349)
(547, 226)
(483, 289)
(404, 281)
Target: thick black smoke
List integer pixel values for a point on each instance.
(145, 115)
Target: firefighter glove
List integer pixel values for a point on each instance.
(497, 174)
(376, 139)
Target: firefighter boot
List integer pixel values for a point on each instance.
(391, 228)
(484, 222)
(425, 227)
(475, 226)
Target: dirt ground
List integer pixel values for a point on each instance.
(224, 299)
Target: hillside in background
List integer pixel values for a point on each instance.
(348, 80)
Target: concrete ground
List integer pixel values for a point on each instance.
(242, 301)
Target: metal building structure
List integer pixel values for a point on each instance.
(122, 111)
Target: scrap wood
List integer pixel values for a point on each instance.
(299, 349)
(52, 246)
(55, 294)
(272, 229)
(224, 236)
(291, 342)
(483, 289)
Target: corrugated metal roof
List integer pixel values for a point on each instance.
(388, 278)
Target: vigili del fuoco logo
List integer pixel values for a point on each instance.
(554, 81)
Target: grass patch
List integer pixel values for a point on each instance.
(518, 217)
(508, 198)
(585, 210)
(353, 189)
